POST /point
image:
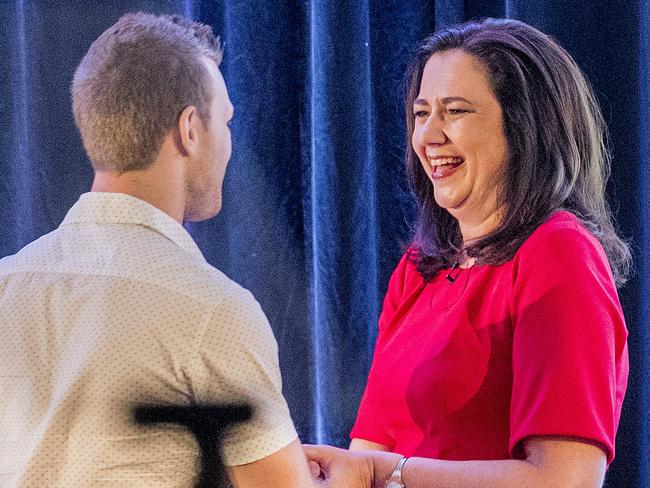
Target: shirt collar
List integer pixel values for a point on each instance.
(119, 208)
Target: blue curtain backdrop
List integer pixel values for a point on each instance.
(316, 208)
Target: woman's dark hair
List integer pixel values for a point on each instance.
(556, 138)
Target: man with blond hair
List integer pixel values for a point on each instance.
(118, 307)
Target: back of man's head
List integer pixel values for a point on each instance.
(133, 83)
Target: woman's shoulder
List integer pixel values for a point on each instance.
(562, 259)
(562, 240)
(405, 274)
(407, 265)
(563, 230)
(561, 220)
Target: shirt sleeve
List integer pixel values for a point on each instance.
(237, 362)
(570, 361)
(369, 425)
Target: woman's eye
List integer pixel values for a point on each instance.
(420, 114)
(455, 111)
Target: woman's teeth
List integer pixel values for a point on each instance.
(443, 161)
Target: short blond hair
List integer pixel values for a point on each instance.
(133, 83)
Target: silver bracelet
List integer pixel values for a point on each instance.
(395, 480)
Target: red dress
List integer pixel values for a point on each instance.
(533, 347)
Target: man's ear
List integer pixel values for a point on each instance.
(188, 131)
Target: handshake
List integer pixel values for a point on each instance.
(340, 468)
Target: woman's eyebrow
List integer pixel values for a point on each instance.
(447, 100)
(444, 101)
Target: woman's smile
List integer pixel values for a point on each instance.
(443, 166)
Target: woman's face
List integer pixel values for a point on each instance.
(459, 139)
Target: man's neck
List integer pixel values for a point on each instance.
(160, 185)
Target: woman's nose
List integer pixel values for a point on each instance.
(432, 131)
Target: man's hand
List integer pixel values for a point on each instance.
(339, 468)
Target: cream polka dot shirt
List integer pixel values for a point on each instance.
(117, 307)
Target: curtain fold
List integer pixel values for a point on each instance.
(640, 324)
(316, 209)
(342, 192)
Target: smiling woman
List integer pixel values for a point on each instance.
(554, 132)
(513, 263)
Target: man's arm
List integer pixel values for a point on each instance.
(286, 468)
(237, 361)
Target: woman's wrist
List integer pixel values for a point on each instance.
(382, 465)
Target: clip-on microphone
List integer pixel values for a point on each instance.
(450, 277)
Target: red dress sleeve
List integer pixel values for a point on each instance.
(570, 359)
(369, 425)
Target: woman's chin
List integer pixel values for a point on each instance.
(448, 202)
